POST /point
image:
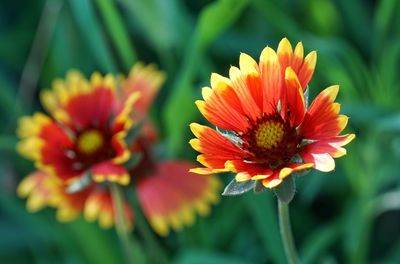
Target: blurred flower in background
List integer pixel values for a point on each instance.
(98, 133)
(78, 147)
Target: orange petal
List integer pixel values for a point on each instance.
(307, 69)
(216, 148)
(271, 79)
(294, 102)
(322, 120)
(244, 92)
(221, 105)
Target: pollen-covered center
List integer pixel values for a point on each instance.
(269, 134)
(90, 141)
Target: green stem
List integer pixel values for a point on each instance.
(130, 246)
(286, 233)
(144, 230)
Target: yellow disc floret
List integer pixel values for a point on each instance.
(90, 141)
(269, 134)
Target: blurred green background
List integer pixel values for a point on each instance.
(348, 216)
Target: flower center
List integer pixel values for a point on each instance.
(90, 141)
(269, 134)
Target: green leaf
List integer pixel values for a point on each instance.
(134, 133)
(92, 34)
(133, 161)
(237, 188)
(384, 16)
(118, 31)
(93, 243)
(319, 241)
(278, 17)
(360, 24)
(204, 257)
(264, 216)
(165, 24)
(220, 15)
(286, 190)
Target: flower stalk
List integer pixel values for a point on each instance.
(286, 233)
(130, 246)
(145, 231)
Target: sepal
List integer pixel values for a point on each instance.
(286, 190)
(237, 188)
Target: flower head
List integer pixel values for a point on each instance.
(265, 131)
(84, 132)
(85, 144)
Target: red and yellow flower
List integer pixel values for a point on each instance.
(269, 132)
(81, 147)
(84, 132)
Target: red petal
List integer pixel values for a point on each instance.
(170, 195)
(53, 152)
(91, 109)
(271, 79)
(109, 171)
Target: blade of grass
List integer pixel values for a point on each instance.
(383, 17)
(118, 31)
(166, 24)
(37, 54)
(92, 34)
(201, 257)
(319, 241)
(93, 243)
(278, 18)
(130, 246)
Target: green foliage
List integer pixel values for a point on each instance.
(93, 34)
(348, 216)
(220, 15)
